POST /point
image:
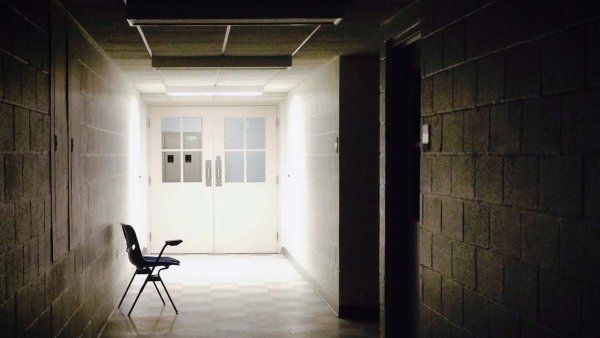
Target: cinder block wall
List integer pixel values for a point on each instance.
(69, 288)
(328, 195)
(510, 232)
(25, 202)
(309, 179)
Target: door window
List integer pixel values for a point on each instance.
(181, 143)
(234, 166)
(171, 166)
(192, 132)
(171, 132)
(245, 152)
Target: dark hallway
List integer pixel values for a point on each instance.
(338, 168)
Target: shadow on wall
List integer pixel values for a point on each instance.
(329, 193)
(62, 255)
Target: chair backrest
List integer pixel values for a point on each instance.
(133, 247)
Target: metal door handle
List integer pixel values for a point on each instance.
(208, 173)
(219, 182)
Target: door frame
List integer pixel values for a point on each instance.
(275, 105)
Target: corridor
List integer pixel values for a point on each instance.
(332, 168)
(232, 296)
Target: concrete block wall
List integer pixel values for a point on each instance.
(510, 226)
(309, 179)
(70, 292)
(329, 196)
(26, 283)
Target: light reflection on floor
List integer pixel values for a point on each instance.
(232, 296)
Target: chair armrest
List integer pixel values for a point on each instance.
(173, 242)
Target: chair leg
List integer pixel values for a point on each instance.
(138, 295)
(128, 285)
(161, 297)
(168, 295)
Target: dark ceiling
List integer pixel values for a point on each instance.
(359, 32)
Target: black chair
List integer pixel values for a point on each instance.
(145, 265)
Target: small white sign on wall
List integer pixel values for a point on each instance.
(425, 134)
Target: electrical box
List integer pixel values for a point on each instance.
(425, 137)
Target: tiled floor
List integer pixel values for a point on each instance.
(232, 296)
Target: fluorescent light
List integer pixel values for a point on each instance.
(227, 62)
(249, 91)
(186, 94)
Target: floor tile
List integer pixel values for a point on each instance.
(232, 296)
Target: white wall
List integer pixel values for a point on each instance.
(309, 178)
(137, 190)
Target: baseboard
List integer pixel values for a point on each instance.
(331, 301)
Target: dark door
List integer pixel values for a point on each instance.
(402, 159)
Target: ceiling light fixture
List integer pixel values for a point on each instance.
(211, 91)
(223, 62)
(233, 12)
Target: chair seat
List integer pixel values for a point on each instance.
(164, 261)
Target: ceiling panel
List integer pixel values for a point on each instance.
(250, 34)
(185, 41)
(189, 77)
(357, 33)
(143, 77)
(200, 48)
(150, 86)
(247, 77)
(264, 40)
(185, 33)
(192, 73)
(261, 49)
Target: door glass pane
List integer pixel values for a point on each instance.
(234, 166)
(234, 133)
(192, 166)
(255, 166)
(171, 131)
(255, 133)
(171, 166)
(192, 133)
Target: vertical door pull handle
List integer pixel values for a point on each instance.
(219, 180)
(208, 173)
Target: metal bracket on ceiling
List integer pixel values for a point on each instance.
(306, 40)
(139, 29)
(226, 40)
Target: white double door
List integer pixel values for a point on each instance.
(213, 178)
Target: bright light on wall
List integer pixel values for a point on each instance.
(214, 91)
(136, 191)
(295, 195)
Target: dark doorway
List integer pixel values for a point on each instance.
(402, 191)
